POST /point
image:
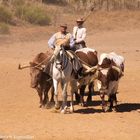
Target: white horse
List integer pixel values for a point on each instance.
(62, 71)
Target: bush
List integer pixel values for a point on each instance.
(18, 2)
(4, 28)
(5, 15)
(33, 14)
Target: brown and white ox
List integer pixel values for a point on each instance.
(88, 57)
(110, 70)
(40, 80)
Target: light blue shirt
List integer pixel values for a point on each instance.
(52, 40)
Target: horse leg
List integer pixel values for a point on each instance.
(90, 87)
(73, 90)
(55, 83)
(64, 96)
(82, 90)
(71, 103)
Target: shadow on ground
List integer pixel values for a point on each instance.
(125, 107)
(128, 107)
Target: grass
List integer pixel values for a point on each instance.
(33, 14)
(5, 14)
(4, 28)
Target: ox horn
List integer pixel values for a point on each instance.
(23, 67)
(91, 69)
(117, 69)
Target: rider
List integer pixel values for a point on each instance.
(61, 38)
(66, 40)
(79, 34)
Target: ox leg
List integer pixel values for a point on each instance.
(77, 97)
(64, 96)
(90, 87)
(102, 95)
(114, 102)
(110, 102)
(52, 95)
(55, 83)
(82, 91)
(40, 96)
(46, 98)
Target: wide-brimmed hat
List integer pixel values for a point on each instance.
(64, 25)
(80, 20)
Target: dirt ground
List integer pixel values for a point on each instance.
(20, 115)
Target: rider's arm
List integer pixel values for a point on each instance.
(52, 41)
(72, 42)
(75, 32)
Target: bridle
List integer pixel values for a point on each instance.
(63, 59)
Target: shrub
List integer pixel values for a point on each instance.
(4, 28)
(33, 14)
(18, 2)
(5, 15)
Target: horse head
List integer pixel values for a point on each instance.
(60, 57)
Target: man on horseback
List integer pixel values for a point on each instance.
(61, 38)
(79, 34)
(65, 39)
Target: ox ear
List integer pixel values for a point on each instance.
(95, 53)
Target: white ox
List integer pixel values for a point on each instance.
(111, 68)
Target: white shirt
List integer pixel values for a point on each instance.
(79, 33)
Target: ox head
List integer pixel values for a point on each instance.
(106, 75)
(106, 62)
(35, 74)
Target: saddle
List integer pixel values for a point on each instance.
(76, 64)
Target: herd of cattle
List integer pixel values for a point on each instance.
(104, 72)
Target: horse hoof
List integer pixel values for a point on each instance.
(47, 107)
(57, 107)
(114, 109)
(71, 109)
(82, 104)
(40, 106)
(105, 109)
(63, 111)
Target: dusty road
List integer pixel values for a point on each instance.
(21, 118)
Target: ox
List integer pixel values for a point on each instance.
(40, 80)
(111, 68)
(89, 58)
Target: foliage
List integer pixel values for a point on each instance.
(36, 15)
(32, 14)
(5, 14)
(4, 28)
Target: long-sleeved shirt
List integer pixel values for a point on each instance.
(79, 34)
(60, 38)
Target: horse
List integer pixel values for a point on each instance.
(62, 72)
